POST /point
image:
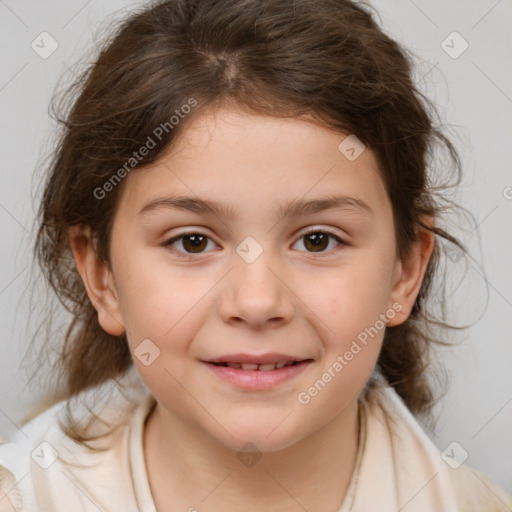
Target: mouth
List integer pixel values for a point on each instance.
(257, 373)
(264, 367)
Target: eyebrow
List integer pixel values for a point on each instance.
(294, 208)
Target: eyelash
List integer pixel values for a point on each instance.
(180, 254)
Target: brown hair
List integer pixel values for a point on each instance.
(327, 59)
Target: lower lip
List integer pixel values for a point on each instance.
(257, 379)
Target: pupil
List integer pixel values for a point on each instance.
(317, 239)
(195, 240)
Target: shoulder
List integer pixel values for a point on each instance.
(466, 488)
(10, 497)
(16, 456)
(475, 491)
(42, 468)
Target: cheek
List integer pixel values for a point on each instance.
(153, 296)
(350, 311)
(351, 330)
(353, 296)
(163, 312)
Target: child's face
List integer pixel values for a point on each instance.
(256, 285)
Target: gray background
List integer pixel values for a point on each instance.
(474, 95)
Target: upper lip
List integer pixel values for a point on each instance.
(273, 357)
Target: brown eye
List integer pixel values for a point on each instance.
(193, 243)
(318, 241)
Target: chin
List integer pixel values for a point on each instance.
(258, 438)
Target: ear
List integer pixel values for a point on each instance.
(97, 278)
(409, 273)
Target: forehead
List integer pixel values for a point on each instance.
(255, 161)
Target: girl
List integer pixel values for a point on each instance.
(241, 220)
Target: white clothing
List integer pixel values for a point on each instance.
(398, 467)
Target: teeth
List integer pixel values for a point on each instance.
(266, 367)
(249, 366)
(260, 367)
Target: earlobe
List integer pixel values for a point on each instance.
(409, 274)
(97, 278)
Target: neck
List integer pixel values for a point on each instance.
(190, 469)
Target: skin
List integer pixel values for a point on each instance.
(290, 299)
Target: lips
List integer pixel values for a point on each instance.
(258, 374)
(262, 362)
(258, 367)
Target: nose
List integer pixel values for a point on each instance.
(257, 294)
